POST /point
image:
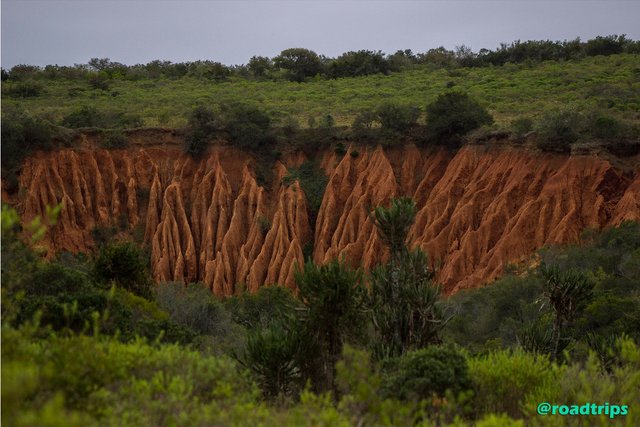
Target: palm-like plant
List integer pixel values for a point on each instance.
(565, 291)
(271, 355)
(404, 301)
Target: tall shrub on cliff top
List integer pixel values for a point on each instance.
(249, 127)
(203, 122)
(452, 115)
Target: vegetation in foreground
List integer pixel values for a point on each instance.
(88, 340)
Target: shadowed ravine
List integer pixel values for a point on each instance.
(478, 209)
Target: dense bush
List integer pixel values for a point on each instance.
(114, 140)
(23, 89)
(195, 307)
(299, 63)
(503, 380)
(452, 115)
(124, 264)
(271, 355)
(249, 127)
(396, 118)
(22, 134)
(203, 123)
(430, 371)
(360, 63)
(558, 129)
(312, 181)
(92, 117)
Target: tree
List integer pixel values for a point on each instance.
(454, 114)
(260, 66)
(360, 63)
(300, 63)
(271, 355)
(203, 123)
(397, 118)
(565, 291)
(333, 295)
(123, 264)
(249, 127)
(404, 302)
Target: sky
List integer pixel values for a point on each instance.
(65, 32)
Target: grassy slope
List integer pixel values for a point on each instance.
(509, 91)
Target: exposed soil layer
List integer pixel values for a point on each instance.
(209, 220)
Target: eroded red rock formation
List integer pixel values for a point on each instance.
(210, 220)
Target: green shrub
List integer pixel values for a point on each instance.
(123, 263)
(502, 381)
(271, 354)
(522, 126)
(84, 117)
(340, 149)
(22, 134)
(354, 153)
(313, 182)
(194, 306)
(452, 115)
(92, 117)
(203, 123)
(607, 128)
(257, 310)
(557, 130)
(26, 89)
(249, 127)
(396, 118)
(362, 126)
(430, 371)
(114, 140)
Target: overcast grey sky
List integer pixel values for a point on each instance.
(65, 32)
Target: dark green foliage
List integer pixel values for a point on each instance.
(522, 126)
(393, 223)
(606, 128)
(264, 224)
(360, 63)
(23, 89)
(99, 81)
(313, 182)
(271, 355)
(92, 117)
(397, 118)
(404, 301)
(558, 129)
(405, 305)
(22, 134)
(84, 117)
(193, 306)
(299, 63)
(362, 126)
(203, 123)
(249, 127)
(258, 310)
(354, 153)
(426, 372)
(260, 66)
(495, 313)
(114, 140)
(608, 45)
(333, 296)
(340, 149)
(566, 291)
(452, 115)
(123, 264)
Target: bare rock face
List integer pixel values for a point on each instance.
(210, 220)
